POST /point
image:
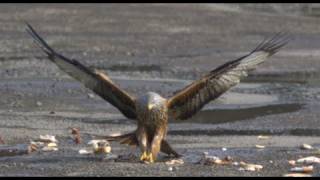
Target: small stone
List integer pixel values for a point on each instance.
(130, 53)
(224, 149)
(170, 168)
(235, 163)
(39, 103)
(90, 95)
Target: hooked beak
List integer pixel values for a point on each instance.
(150, 106)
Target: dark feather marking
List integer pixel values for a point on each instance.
(186, 102)
(99, 82)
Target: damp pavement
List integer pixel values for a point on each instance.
(159, 48)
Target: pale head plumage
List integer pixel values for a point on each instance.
(150, 100)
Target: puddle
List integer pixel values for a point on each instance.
(217, 116)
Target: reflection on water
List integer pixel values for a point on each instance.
(217, 116)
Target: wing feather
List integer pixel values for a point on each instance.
(95, 80)
(188, 101)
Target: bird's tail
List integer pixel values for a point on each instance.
(129, 138)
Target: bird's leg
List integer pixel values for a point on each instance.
(166, 148)
(155, 145)
(142, 138)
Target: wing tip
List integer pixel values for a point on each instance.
(275, 43)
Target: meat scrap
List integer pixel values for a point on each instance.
(76, 133)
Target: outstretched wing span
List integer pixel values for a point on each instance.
(188, 101)
(97, 81)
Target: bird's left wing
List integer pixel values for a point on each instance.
(188, 101)
(97, 81)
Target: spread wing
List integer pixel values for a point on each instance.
(98, 82)
(188, 101)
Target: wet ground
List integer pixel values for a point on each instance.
(159, 48)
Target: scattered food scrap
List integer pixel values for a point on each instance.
(210, 160)
(309, 160)
(174, 162)
(292, 162)
(304, 169)
(100, 146)
(263, 137)
(260, 146)
(97, 146)
(86, 151)
(49, 148)
(48, 138)
(76, 133)
(306, 146)
(52, 145)
(37, 143)
(296, 175)
(47, 143)
(249, 167)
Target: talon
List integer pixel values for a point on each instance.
(151, 160)
(144, 156)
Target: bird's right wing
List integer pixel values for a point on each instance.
(97, 81)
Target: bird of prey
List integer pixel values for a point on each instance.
(152, 111)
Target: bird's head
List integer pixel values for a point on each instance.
(154, 100)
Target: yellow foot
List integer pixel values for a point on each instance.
(144, 156)
(147, 158)
(151, 160)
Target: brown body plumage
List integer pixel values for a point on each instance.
(152, 111)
